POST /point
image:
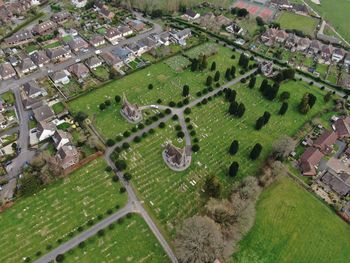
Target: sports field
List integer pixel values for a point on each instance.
(129, 240)
(336, 12)
(292, 226)
(289, 20)
(40, 222)
(173, 196)
(167, 86)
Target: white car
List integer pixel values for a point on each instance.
(98, 52)
(154, 106)
(77, 60)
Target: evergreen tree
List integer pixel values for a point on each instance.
(240, 110)
(263, 85)
(228, 74)
(266, 117)
(194, 65)
(209, 81)
(243, 61)
(252, 82)
(217, 76)
(204, 62)
(304, 106)
(233, 72)
(285, 95)
(283, 109)
(255, 152)
(259, 123)
(232, 96)
(328, 96)
(233, 108)
(233, 169)
(213, 66)
(185, 90)
(234, 147)
(312, 100)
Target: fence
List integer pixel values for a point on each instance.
(82, 163)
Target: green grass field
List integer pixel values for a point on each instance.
(292, 226)
(173, 196)
(35, 222)
(289, 20)
(167, 82)
(129, 241)
(335, 12)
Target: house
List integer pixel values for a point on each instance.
(309, 161)
(44, 28)
(7, 71)
(112, 60)
(19, 38)
(137, 49)
(281, 36)
(303, 44)
(326, 52)
(281, 4)
(61, 138)
(93, 63)
(342, 127)
(163, 38)
(79, 3)
(13, 60)
(79, 70)
(3, 121)
(292, 42)
(338, 55)
(147, 42)
(40, 58)
(181, 36)
(78, 44)
(268, 37)
(67, 156)
(190, 15)
(124, 54)
(112, 35)
(137, 25)
(325, 141)
(60, 17)
(176, 157)
(234, 29)
(339, 183)
(106, 13)
(223, 21)
(45, 130)
(43, 113)
(58, 53)
(315, 46)
(131, 112)
(300, 9)
(97, 40)
(347, 60)
(32, 89)
(27, 65)
(60, 77)
(125, 30)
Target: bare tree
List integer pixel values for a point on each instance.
(283, 147)
(199, 240)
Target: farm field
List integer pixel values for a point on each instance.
(289, 20)
(167, 85)
(173, 196)
(293, 226)
(38, 222)
(128, 241)
(336, 14)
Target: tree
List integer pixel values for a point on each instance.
(283, 109)
(259, 21)
(266, 117)
(288, 73)
(283, 147)
(233, 72)
(304, 106)
(150, 86)
(195, 148)
(328, 96)
(259, 123)
(209, 81)
(243, 61)
(312, 100)
(264, 84)
(80, 117)
(285, 95)
(217, 76)
(117, 99)
(108, 103)
(127, 177)
(185, 90)
(102, 106)
(234, 147)
(233, 170)
(212, 186)
(204, 63)
(194, 65)
(255, 152)
(213, 66)
(233, 108)
(252, 82)
(110, 142)
(120, 164)
(228, 74)
(240, 110)
(242, 12)
(199, 240)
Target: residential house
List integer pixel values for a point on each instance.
(223, 21)
(7, 71)
(281, 36)
(181, 36)
(58, 53)
(338, 55)
(45, 130)
(163, 38)
(27, 65)
(234, 29)
(78, 44)
(326, 52)
(93, 63)
(19, 38)
(13, 60)
(124, 54)
(137, 49)
(342, 127)
(79, 3)
(292, 42)
(190, 15)
(339, 183)
(43, 113)
(300, 9)
(268, 37)
(113, 35)
(60, 17)
(32, 89)
(309, 161)
(325, 141)
(347, 60)
(79, 70)
(97, 40)
(60, 77)
(147, 42)
(125, 30)
(303, 44)
(137, 25)
(61, 138)
(40, 58)
(44, 28)
(67, 156)
(112, 60)
(315, 47)
(107, 14)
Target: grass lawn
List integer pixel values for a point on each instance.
(35, 222)
(335, 13)
(171, 196)
(167, 83)
(58, 108)
(8, 97)
(293, 226)
(289, 20)
(52, 45)
(101, 72)
(128, 241)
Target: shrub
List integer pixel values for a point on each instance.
(172, 104)
(150, 86)
(175, 117)
(161, 125)
(126, 145)
(80, 229)
(109, 212)
(193, 133)
(187, 111)
(137, 139)
(195, 148)
(119, 138)
(126, 134)
(168, 111)
(117, 98)
(122, 189)
(180, 134)
(127, 177)
(115, 178)
(110, 142)
(101, 232)
(81, 244)
(60, 257)
(187, 119)
(108, 169)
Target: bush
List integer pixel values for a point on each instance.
(108, 169)
(193, 133)
(195, 140)
(80, 229)
(180, 134)
(126, 145)
(81, 244)
(127, 177)
(126, 134)
(117, 98)
(187, 119)
(134, 129)
(129, 215)
(140, 126)
(120, 164)
(107, 102)
(115, 178)
(118, 138)
(110, 142)
(168, 111)
(122, 189)
(172, 104)
(151, 131)
(100, 232)
(90, 222)
(161, 125)
(195, 148)
(109, 212)
(38, 253)
(137, 139)
(111, 226)
(60, 257)
(99, 217)
(150, 86)
(187, 111)
(120, 221)
(175, 117)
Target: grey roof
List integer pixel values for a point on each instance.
(77, 43)
(31, 88)
(93, 61)
(6, 69)
(26, 63)
(148, 42)
(183, 33)
(43, 113)
(43, 125)
(122, 53)
(19, 37)
(58, 75)
(40, 57)
(57, 52)
(337, 183)
(60, 16)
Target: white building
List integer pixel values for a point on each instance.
(79, 3)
